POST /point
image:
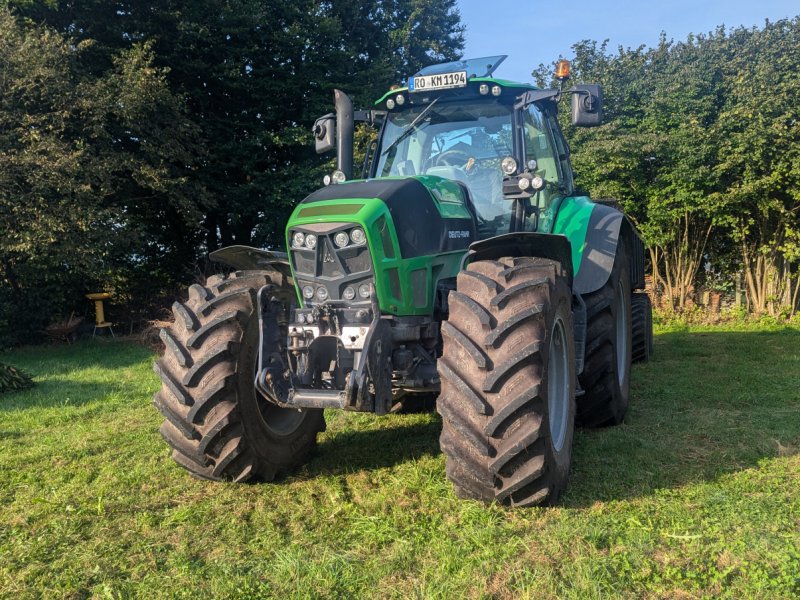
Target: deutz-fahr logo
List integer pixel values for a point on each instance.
(458, 235)
(327, 256)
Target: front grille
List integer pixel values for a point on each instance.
(330, 266)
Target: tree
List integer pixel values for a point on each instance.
(71, 146)
(255, 75)
(759, 159)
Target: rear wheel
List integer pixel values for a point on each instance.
(606, 372)
(218, 426)
(508, 382)
(642, 327)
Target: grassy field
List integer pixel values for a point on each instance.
(696, 495)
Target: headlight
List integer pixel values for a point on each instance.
(496, 90)
(483, 89)
(298, 238)
(400, 99)
(508, 165)
(364, 290)
(308, 292)
(311, 241)
(349, 293)
(338, 176)
(322, 293)
(390, 104)
(358, 236)
(341, 239)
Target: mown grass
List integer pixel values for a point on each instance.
(696, 495)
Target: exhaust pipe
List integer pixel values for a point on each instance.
(344, 133)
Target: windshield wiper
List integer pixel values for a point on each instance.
(408, 130)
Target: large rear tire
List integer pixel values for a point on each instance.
(508, 382)
(606, 375)
(642, 327)
(218, 426)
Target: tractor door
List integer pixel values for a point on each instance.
(546, 149)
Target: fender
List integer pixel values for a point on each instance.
(276, 264)
(544, 245)
(606, 228)
(595, 229)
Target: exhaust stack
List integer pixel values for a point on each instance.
(344, 133)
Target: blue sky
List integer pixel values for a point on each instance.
(533, 32)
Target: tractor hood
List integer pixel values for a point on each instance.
(416, 229)
(428, 214)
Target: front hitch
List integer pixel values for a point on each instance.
(361, 380)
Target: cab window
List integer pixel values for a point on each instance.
(540, 147)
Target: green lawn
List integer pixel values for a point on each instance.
(696, 495)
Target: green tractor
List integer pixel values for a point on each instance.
(461, 264)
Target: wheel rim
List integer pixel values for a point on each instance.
(558, 386)
(622, 335)
(280, 422)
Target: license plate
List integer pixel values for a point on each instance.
(442, 81)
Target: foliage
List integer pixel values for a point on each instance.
(695, 496)
(13, 380)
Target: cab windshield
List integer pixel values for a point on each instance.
(464, 141)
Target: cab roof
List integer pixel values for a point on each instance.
(478, 70)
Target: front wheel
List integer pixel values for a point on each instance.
(218, 426)
(508, 382)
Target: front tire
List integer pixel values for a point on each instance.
(218, 426)
(508, 382)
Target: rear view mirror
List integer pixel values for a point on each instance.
(325, 133)
(587, 105)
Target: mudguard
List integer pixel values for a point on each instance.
(586, 250)
(253, 259)
(606, 227)
(544, 245)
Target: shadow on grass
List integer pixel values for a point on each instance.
(708, 404)
(60, 391)
(60, 359)
(349, 451)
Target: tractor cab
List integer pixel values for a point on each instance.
(458, 122)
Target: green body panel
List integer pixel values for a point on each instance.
(368, 212)
(448, 195)
(572, 220)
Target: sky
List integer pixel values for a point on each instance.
(533, 32)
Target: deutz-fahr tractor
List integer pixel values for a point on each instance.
(461, 263)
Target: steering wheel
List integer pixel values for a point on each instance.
(452, 158)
